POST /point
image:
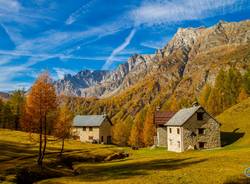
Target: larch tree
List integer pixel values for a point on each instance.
(134, 138)
(41, 103)
(242, 95)
(136, 134)
(63, 125)
(149, 128)
(204, 95)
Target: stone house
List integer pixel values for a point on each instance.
(191, 128)
(92, 128)
(160, 118)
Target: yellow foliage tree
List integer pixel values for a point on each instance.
(243, 95)
(39, 107)
(149, 128)
(62, 128)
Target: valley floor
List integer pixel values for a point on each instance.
(225, 165)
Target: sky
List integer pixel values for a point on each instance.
(67, 36)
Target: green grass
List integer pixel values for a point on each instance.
(225, 165)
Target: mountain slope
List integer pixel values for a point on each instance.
(192, 58)
(73, 85)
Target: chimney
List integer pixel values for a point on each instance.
(157, 108)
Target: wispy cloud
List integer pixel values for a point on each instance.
(117, 50)
(161, 12)
(79, 12)
(10, 5)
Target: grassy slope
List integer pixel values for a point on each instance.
(145, 165)
(159, 166)
(16, 150)
(236, 122)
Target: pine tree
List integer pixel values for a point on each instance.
(17, 100)
(246, 81)
(232, 85)
(7, 116)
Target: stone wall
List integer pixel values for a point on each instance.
(191, 136)
(175, 139)
(85, 134)
(105, 131)
(162, 137)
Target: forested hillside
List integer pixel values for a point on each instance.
(175, 78)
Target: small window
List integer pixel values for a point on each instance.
(171, 142)
(179, 144)
(178, 131)
(91, 138)
(170, 130)
(84, 128)
(90, 129)
(201, 131)
(199, 116)
(102, 139)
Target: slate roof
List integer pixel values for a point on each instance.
(182, 116)
(162, 117)
(88, 120)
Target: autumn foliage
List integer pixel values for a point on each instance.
(39, 111)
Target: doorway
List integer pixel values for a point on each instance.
(202, 145)
(109, 140)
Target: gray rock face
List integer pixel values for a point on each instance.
(189, 51)
(73, 84)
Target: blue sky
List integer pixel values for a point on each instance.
(66, 36)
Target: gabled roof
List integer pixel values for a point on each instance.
(88, 120)
(162, 117)
(182, 116)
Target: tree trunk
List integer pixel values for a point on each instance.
(62, 148)
(39, 162)
(44, 138)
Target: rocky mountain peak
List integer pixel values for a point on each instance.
(178, 57)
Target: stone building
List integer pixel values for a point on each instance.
(160, 118)
(191, 128)
(92, 128)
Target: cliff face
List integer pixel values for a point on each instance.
(192, 58)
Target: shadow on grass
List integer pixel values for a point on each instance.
(127, 170)
(228, 138)
(10, 150)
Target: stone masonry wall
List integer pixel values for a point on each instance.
(191, 136)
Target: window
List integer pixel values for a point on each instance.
(91, 137)
(84, 128)
(202, 145)
(170, 130)
(199, 116)
(90, 129)
(178, 131)
(201, 131)
(179, 144)
(102, 139)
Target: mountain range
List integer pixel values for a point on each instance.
(190, 60)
